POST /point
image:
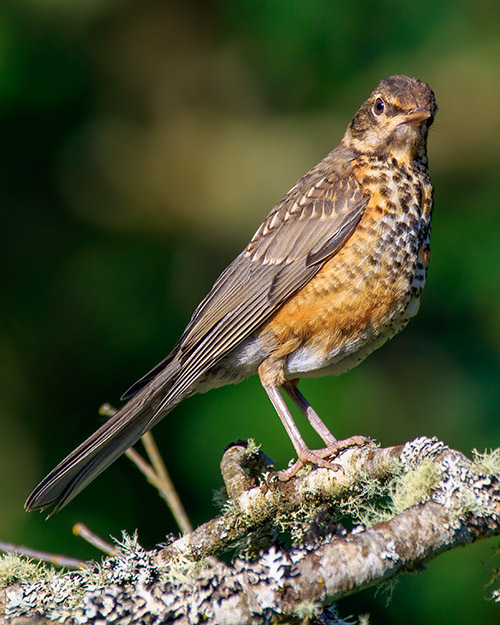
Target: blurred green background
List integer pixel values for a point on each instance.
(142, 142)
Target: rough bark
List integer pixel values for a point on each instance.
(436, 499)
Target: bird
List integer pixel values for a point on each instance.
(333, 272)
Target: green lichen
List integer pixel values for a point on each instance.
(252, 448)
(180, 568)
(386, 590)
(220, 498)
(374, 501)
(487, 462)
(366, 504)
(414, 486)
(307, 611)
(296, 523)
(15, 569)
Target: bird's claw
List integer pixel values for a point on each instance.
(317, 457)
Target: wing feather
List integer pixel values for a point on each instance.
(306, 228)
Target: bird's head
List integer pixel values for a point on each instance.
(394, 120)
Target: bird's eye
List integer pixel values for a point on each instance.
(379, 106)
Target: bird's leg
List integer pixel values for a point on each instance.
(290, 387)
(304, 454)
(333, 446)
(272, 379)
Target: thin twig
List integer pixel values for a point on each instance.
(145, 468)
(107, 410)
(80, 529)
(167, 488)
(157, 474)
(52, 558)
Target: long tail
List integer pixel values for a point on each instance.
(95, 454)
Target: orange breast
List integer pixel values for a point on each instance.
(364, 291)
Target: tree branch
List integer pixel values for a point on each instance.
(412, 502)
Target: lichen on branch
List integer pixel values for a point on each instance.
(385, 511)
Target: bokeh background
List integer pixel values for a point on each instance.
(142, 142)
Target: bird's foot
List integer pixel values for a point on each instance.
(317, 456)
(332, 450)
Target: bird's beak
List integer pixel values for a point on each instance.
(414, 117)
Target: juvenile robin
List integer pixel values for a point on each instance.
(333, 272)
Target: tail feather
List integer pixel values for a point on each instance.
(101, 449)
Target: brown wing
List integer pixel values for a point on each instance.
(308, 226)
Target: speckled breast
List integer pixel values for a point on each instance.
(399, 213)
(369, 290)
